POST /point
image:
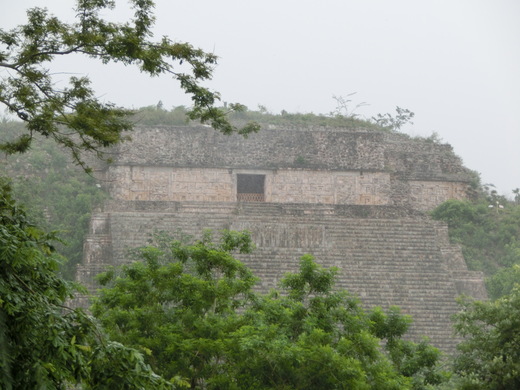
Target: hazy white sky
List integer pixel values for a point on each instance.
(455, 63)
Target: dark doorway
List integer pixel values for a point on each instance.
(250, 188)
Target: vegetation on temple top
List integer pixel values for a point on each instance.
(341, 117)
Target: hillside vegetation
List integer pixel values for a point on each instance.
(488, 230)
(57, 195)
(341, 117)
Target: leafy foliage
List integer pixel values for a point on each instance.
(394, 123)
(490, 353)
(191, 306)
(490, 237)
(154, 115)
(58, 196)
(419, 361)
(73, 116)
(503, 281)
(157, 116)
(177, 302)
(45, 344)
(308, 337)
(343, 107)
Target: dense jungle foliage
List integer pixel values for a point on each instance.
(488, 230)
(43, 343)
(57, 194)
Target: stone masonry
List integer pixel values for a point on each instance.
(355, 199)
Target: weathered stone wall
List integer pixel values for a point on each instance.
(425, 195)
(274, 148)
(293, 185)
(328, 166)
(173, 184)
(306, 186)
(219, 185)
(268, 149)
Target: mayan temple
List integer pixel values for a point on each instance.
(356, 199)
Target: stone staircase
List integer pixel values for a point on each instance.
(385, 256)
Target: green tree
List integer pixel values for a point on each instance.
(44, 343)
(418, 361)
(57, 195)
(178, 302)
(308, 336)
(489, 236)
(503, 282)
(28, 89)
(516, 192)
(191, 306)
(394, 123)
(490, 354)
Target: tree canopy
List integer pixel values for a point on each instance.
(73, 116)
(192, 308)
(57, 195)
(44, 343)
(488, 229)
(490, 352)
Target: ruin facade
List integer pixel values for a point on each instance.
(356, 199)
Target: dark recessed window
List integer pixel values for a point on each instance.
(250, 188)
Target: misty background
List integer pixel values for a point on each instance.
(455, 64)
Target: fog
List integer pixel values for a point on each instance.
(455, 64)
